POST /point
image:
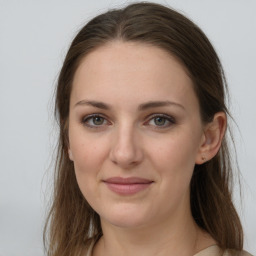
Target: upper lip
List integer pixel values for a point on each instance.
(129, 180)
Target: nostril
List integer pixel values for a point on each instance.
(126, 156)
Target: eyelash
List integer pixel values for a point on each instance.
(86, 119)
(170, 120)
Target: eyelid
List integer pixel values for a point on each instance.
(169, 118)
(90, 116)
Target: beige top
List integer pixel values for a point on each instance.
(213, 250)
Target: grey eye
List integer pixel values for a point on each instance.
(160, 121)
(98, 120)
(94, 121)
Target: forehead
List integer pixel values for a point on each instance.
(130, 71)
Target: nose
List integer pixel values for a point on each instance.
(126, 151)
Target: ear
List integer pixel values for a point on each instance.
(70, 154)
(212, 138)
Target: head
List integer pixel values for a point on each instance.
(149, 26)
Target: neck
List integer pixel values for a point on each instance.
(180, 236)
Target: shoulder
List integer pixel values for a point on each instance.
(236, 253)
(214, 250)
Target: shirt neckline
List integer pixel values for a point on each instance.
(211, 250)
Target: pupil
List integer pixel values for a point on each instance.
(159, 121)
(97, 120)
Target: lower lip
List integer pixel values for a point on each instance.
(127, 189)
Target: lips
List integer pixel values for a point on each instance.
(127, 186)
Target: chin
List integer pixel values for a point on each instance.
(127, 222)
(127, 217)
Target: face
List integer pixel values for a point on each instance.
(135, 133)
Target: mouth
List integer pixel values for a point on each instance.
(127, 186)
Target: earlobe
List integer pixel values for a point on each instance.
(213, 135)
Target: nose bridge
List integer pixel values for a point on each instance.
(126, 149)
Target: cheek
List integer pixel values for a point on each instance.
(89, 154)
(179, 148)
(174, 158)
(88, 149)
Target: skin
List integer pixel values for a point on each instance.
(126, 139)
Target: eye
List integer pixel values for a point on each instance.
(161, 121)
(94, 121)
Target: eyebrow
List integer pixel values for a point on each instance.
(96, 104)
(155, 104)
(143, 106)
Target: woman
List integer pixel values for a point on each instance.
(143, 164)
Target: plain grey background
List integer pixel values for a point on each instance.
(34, 37)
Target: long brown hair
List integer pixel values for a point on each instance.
(72, 222)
